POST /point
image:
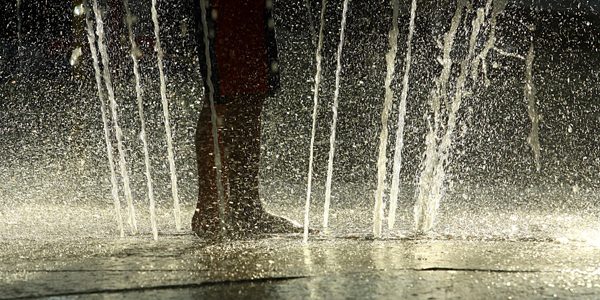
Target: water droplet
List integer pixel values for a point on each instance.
(79, 10)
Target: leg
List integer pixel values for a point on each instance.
(206, 216)
(243, 138)
(247, 214)
(240, 138)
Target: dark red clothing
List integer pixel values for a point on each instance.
(242, 48)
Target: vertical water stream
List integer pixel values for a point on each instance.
(115, 118)
(109, 148)
(318, 62)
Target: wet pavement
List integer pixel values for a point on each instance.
(183, 266)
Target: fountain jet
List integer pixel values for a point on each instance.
(431, 189)
(115, 118)
(213, 116)
(140, 104)
(334, 108)
(399, 143)
(534, 135)
(109, 148)
(318, 62)
(165, 106)
(390, 59)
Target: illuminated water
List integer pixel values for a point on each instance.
(399, 144)
(213, 118)
(318, 61)
(131, 219)
(107, 139)
(135, 52)
(492, 223)
(534, 136)
(390, 59)
(334, 108)
(167, 121)
(432, 183)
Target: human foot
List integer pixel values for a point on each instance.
(206, 222)
(269, 224)
(209, 225)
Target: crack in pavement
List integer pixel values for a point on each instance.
(160, 287)
(245, 280)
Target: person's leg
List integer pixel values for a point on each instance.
(243, 138)
(244, 212)
(206, 217)
(241, 79)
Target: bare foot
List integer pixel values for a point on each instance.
(208, 225)
(269, 223)
(206, 222)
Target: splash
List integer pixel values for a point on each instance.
(334, 108)
(140, 104)
(165, 106)
(390, 59)
(534, 135)
(115, 118)
(109, 148)
(318, 61)
(399, 144)
(213, 116)
(431, 189)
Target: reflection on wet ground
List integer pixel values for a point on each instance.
(184, 266)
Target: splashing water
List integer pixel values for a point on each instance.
(318, 62)
(311, 23)
(19, 27)
(165, 105)
(498, 7)
(213, 116)
(109, 148)
(399, 143)
(431, 188)
(438, 95)
(387, 106)
(115, 118)
(75, 55)
(334, 108)
(534, 135)
(140, 105)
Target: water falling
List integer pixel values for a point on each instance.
(213, 116)
(438, 95)
(390, 59)
(534, 135)
(165, 105)
(115, 118)
(498, 7)
(399, 143)
(19, 26)
(109, 149)
(139, 93)
(318, 61)
(508, 54)
(311, 23)
(431, 184)
(334, 108)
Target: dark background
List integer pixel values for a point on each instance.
(52, 148)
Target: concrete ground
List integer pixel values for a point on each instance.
(182, 266)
